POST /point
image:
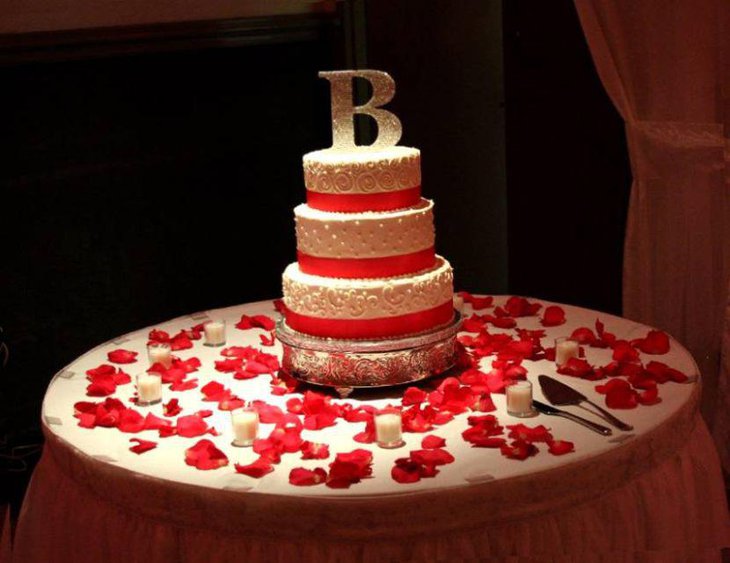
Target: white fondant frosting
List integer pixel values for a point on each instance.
(370, 234)
(364, 171)
(334, 298)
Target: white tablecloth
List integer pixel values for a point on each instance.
(655, 494)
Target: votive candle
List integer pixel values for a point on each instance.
(245, 422)
(160, 353)
(519, 398)
(149, 389)
(565, 349)
(215, 333)
(389, 428)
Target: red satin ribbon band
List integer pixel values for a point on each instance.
(349, 203)
(381, 267)
(371, 328)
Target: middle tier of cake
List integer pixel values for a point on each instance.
(368, 308)
(365, 245)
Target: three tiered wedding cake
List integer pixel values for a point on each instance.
(366, 266)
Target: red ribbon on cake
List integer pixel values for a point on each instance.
(349, 203)
(380, 267)
(372, 328)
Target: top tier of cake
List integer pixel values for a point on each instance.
(366, 180)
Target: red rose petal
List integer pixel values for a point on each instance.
(314, 450)
(432, 441)
(181, 341)
(529, 434)
(560, 447)
(475, 301)
(624, 352)
(656, 342)
(406, 471)
(122, 356)
(583, 335)
(267, 340)
(413, 396)
(262, 466)
(436, 456)
(577, 367)
(519, 449)
(553, 316)
(301, 477)
(256, 321)
(184, 385)
(152, 422)
(142, 445)
(130, 421)
(205, 456)
(172, 408)
(157, 335)
(191, 426)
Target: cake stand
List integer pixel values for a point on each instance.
(350, 364)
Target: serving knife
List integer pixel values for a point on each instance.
(551, 410)
(558, 393)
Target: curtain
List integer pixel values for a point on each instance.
(665, 65)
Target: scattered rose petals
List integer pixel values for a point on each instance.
(142, 445)
(205, 456)
(122, 356)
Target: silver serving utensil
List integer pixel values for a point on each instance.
(558, 393)
(550, 410)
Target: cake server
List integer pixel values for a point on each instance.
(551, 410)
(559, 393)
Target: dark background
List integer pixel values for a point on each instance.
(144, 178)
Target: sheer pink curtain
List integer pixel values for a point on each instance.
(666, 67)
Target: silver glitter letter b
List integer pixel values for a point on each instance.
(343, 110)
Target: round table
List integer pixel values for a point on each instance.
(652, 494)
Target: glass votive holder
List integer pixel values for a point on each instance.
(519, 399)
(565, 348)
(388, 428)
(149, 389)
(215, 332)
(245, 423)
(160, 353)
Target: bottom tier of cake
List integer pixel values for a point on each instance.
(368, 308)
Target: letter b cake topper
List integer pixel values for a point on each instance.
(343, 109)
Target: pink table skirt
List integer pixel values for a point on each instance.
(673, 511)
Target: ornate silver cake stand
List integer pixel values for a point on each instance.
(350, 364)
